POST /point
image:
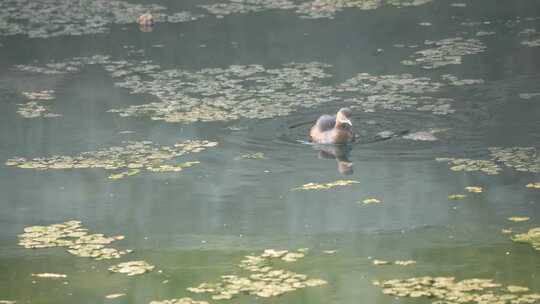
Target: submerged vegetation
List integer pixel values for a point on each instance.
(132, 158)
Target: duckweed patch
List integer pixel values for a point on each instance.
(72, 236)
(531, 237)
(326, 186)
(445, 52)
(34, 107)
(449, 291)
(129, 159)
(264, 281)
(44, 18)
(132, 268)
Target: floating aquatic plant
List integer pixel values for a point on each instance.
(256, 155)
(444, 52)
(72, 236)
(326, 186)
(377, 262)
(529, 95)
(524, 159)
(533, 185)
(471, 165)
(264, 280)
(132, 268)
(179, 301)
(371, 200)
(34, 107)
(453, 80)
(449, 291)
(115, 296)
(455, 197)
(474, 189)
(51, 18)
(49, 275)
(253, 91)
(311, 9)
(132, 158)
(519, 218)
(531, 237)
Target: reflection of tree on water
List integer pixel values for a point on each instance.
(338, 152)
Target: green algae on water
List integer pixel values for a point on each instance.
(126, 160)
(72, 236)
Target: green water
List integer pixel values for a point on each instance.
(197, 225)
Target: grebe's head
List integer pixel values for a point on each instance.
(343, 117)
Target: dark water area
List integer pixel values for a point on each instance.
(196, 225)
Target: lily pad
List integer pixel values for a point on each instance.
(115, 296)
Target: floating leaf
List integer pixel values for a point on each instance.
(524, 159)
(317, 186)
(405, 263)
(471, 165)
(380, 262)
(257, 155)
(516, 289)
(132, 268)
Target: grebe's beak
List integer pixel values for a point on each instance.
(345, 121)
